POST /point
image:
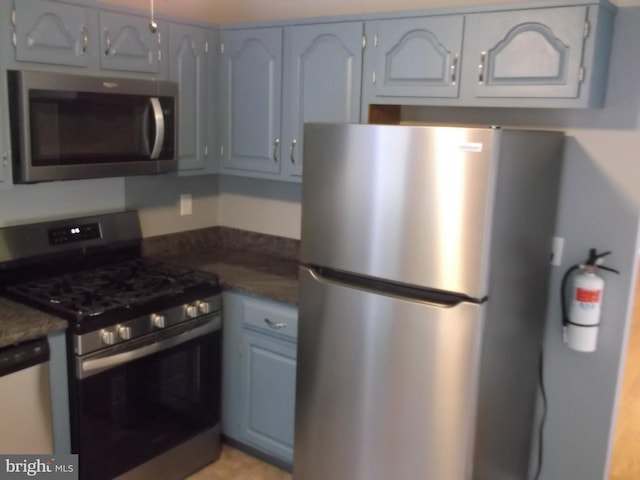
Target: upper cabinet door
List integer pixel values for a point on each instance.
(527, 53)
(250, 83)
(127, 43)
(188, 68)
(322, 78)
(48, 32)
(417, 57)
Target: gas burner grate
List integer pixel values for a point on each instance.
(124, 284)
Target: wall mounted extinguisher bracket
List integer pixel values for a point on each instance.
(580, 324)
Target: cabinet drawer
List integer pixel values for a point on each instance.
(271, 318)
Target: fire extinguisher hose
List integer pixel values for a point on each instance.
(563, 290)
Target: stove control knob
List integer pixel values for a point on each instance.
(108, 337)
(124, 332)
(191, 311)
(159, 321)
(204, 307)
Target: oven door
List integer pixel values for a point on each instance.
(132, 403)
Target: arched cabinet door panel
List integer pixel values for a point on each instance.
(417, 57)
(188, 67)
(127, 43)
(528, 53)
(322, 79)
(250, 81)
(54, 33)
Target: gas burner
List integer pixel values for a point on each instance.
(122, 285)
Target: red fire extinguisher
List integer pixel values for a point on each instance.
(581, 323)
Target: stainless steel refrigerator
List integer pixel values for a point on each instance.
(423, 289)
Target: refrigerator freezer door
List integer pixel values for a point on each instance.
(407, 204)
(386, 386)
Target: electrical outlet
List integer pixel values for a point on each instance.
(186, 204)
(557, 248)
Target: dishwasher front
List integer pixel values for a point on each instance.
(25, 399)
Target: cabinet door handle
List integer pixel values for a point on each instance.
(454, 68)
(291, 149)
(275, 150)
(273, 324)
(107, 41)
(481, 66)
(85, 39)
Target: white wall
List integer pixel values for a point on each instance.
(157, 199)
(44, 201)
(234, 11)
(260, 206)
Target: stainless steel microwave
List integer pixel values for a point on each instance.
(67, 127)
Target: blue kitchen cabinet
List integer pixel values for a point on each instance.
(127, 44)
(259, 370)
(321, 82)
(191, 59)
(275, 79)
(414, 57)
(250, 100)
(65, 34)
(268, 394)
(538, 54)
(52, 33)
(555, 57)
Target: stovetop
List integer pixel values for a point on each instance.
(121, 286)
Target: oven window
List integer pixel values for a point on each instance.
(128, 415)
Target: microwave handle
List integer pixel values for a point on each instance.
(158, 117)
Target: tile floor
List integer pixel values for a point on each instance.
(236, 465)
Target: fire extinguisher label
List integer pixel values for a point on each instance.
(587, 296)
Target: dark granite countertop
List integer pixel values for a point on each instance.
(19, 323)
(248, 262)
(256, 264)
(261, 275)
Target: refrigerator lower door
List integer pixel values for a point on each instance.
(386, 386)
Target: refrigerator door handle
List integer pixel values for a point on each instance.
(392, 289)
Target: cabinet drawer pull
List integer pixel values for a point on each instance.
(273, 324)
(481, 66)
(275, 150)
(107, 41)
(291, 149)
(85, 39)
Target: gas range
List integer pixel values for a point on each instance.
(143, 343)
(122, 301)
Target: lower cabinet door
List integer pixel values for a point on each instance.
(268, 394)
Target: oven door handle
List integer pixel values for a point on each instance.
(92, 366)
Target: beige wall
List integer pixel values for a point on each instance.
(237, 11)
(157, 198)
(260, 206)
(44, 201)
